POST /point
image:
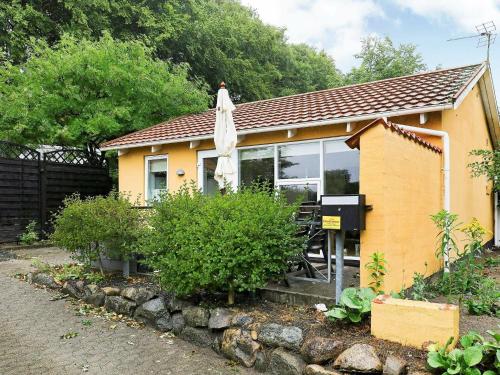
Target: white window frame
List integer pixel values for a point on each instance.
(147, 159)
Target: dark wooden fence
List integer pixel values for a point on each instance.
(33, 186)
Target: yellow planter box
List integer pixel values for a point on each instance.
(414, 323)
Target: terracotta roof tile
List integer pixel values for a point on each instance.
(353, 141)
(440, 87)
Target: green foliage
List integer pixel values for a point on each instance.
(236, 241)
(421, 290)
(475, 357)
(91, 226)
(446, 222)
(82, 93)
(30, 234)
(354, 305)
(41, 266)
(485, 298)
(488, 165)
(377, 269)
(380, 59)
(68, 272)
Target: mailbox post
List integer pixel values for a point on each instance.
(338, 214)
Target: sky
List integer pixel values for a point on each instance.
(337, 26)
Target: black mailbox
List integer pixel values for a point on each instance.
(343, 212)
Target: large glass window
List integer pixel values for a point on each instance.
(299, 160)
(156, 177)
(257, 166)
(341, 168)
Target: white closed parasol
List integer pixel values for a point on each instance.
(224, 137)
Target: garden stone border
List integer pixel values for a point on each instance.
(267, 347)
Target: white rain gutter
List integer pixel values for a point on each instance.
(446, 170)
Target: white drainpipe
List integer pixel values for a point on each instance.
(446, 170)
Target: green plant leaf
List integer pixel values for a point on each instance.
(489, 372)
(473, 355)
(349, 298)
(454, 369)
(354, 316)
(336, 313)
(435, 360)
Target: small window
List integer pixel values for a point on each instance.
(156, 177)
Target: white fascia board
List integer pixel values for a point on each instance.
(470, 85)
(266, 129)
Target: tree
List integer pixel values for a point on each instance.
(83, 93)
(380, 59)
(221, 40)
(488, 165)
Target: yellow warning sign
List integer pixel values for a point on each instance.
(331, 222)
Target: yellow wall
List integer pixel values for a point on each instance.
(468, 130)
(402, 181)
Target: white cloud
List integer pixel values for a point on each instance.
(336, 26)
(465, 14)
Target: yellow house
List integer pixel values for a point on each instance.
(403, 142)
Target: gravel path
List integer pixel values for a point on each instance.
(31, 326)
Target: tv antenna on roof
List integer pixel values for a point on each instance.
(486, 36)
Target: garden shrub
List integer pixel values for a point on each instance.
(231, 242)
(355, 304)
(475, 356)
(30, 234)
(91, 227)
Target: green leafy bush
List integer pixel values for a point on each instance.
(30, 234)
(231, 242)
(475, 357)
(91, 227)
(485, 300)
(354, 305)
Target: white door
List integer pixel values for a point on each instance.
(207, 162)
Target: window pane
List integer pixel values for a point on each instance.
(304, 192)
(157, 178)
(341, 169)
(210, 186)
(257, 166)
(299, 161)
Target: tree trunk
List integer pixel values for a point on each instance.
(230, 294)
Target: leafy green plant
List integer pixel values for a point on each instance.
(377, 269)
(89, 228)
(68, 272)
(231, 242)
(446, 222)
(30, 234)
(487, 165)
(93, 277)
(354, 305)
(485, 300)
(475, 357)
(421, 289)
(41, 266)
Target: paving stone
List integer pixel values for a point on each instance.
(35, 349)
